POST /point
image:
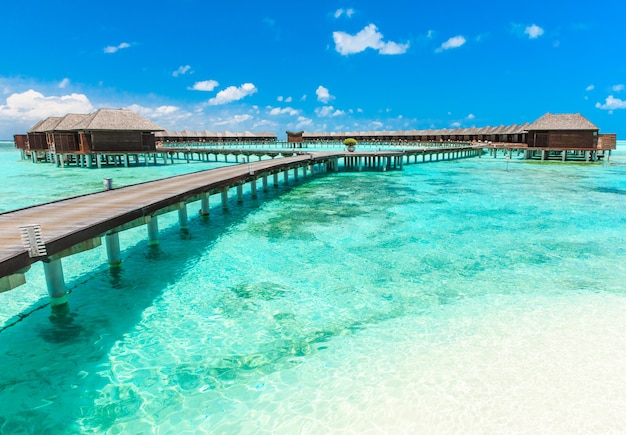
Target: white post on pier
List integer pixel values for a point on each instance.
(239, 193)
(253, 188)
(225, 198)
(182, 216)
(153, 231)
(204, 204)
(53, 270)
(114, 257)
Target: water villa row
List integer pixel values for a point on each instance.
(118, 132)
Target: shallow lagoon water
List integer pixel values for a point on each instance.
(449, 297)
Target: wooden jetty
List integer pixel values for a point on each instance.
(52, 231)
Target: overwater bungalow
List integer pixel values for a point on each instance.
(554, 134)
(106, 130)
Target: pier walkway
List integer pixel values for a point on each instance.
(51, 231)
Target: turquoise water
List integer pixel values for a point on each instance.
(450, 297)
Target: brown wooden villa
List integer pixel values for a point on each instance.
(565, 131)
(106, 130)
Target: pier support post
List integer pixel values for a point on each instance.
(564, 155)
(204, 204)
(53, 270)
(286, 176)
(224, 198)
(239, 193)
(182, 216)
(265, 183)
(114, 256)
(543, 154)
(253, 187)
(295, 173)
(275, 179)
(153, 231)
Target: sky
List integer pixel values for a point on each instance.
(317, 66)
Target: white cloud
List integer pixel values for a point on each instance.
(430, 34)
(34, 106)
(348, 12)
(182, 70)
(369, 37)
(326, 111)
(235, 119)
(233, 93)
(288, 100)
(590, 88)
(533, 31)
(303, 98)
(303, 122)
(279, 98)
(455, 124)
(454, 42)
(612, 103)
(151, 112)
(115, 48)
(206, 85)
(323, 95)
(376, 124)
(470, 116)
(64, 83)
(285, 111)
(618, 88)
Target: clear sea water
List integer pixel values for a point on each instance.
(451, 297)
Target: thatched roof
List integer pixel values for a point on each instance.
(45, 125)
(69, 122)
(117, 119)
(572, 121)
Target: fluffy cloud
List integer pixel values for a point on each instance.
(33, 106)
(285, 111)
(369, 37)
(152, 112)
(533, 31)
(182, 70)
(206, 85)
(286, 100)
(303, 122)
(115, 48)
(470, 116)
(328, 111)
(64, 83)
(234, 120)
(347, 12)
(233, 93)
(454, 42)
(170, 117)
(618, 88)
(612, 103)
(590, 88)
(323, 95)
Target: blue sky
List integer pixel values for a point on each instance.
(314, 66)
